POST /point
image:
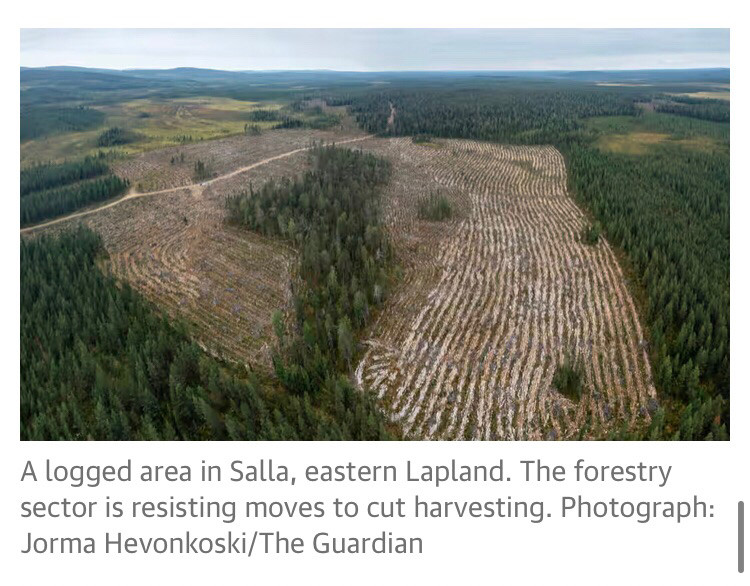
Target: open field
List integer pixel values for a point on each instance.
(643, 134)
(493, 300)
(633, 143)
(709, 95)
(157, 123)
(643, 143)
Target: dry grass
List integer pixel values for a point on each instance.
(159, 123)
(632, 143)
(699, 143)
(710, 95)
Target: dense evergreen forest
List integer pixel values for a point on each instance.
(116, 136)
(332, 215)
(668, 211)
(98, 362)
(518, 115)
(49, 190)
(47, 176)
(716, 110)
(45, 121)
(41, 205)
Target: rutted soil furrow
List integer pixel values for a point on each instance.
(500, 295)
(173, 244)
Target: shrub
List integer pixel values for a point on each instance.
(591, 233)
(264, 116)
(289, 122)
(421, 139)
(435, 207)
(201, 171)
(116, 136)
(568, 378)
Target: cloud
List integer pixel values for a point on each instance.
(377, 49)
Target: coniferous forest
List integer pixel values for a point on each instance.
(648, 165)
(54, 189)
(333, 216)
(41, 205)
(46, 176)
(99, 362)
(667, 211)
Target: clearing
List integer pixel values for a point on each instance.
(645, 134)
(493, 300)
(174, 246)
(708, 95)
(157, 123)
(633, 143)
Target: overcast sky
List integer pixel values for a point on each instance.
(377, 49)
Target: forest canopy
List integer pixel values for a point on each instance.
(49, 190)
(99, 362)
(668, 211)
(649, 164)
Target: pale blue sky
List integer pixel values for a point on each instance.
(377, 49)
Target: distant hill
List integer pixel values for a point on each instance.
(42, 86)
(196, 73)
(188, 73)
(718, 75)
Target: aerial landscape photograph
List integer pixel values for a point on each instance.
(307, 234)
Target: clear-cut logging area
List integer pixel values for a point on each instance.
(172, 242)
(494, 299)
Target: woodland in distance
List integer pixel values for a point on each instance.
(645, 158)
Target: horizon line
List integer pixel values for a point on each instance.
(140, 68)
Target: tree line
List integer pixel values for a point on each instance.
(668, 211)
(53, 189)
(332, 216)
(42, 176)
(522, 116)
(43, 121)
(99, 362)
(714, 110)
(41, 205)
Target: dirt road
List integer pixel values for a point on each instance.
(135, 195)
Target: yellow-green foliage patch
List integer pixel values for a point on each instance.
(633, 143)
(708, 95)
(639, 135)
(698, 143)
(159, 122)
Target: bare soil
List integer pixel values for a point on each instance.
(490, 302)
(174, 245)
(493, 300)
